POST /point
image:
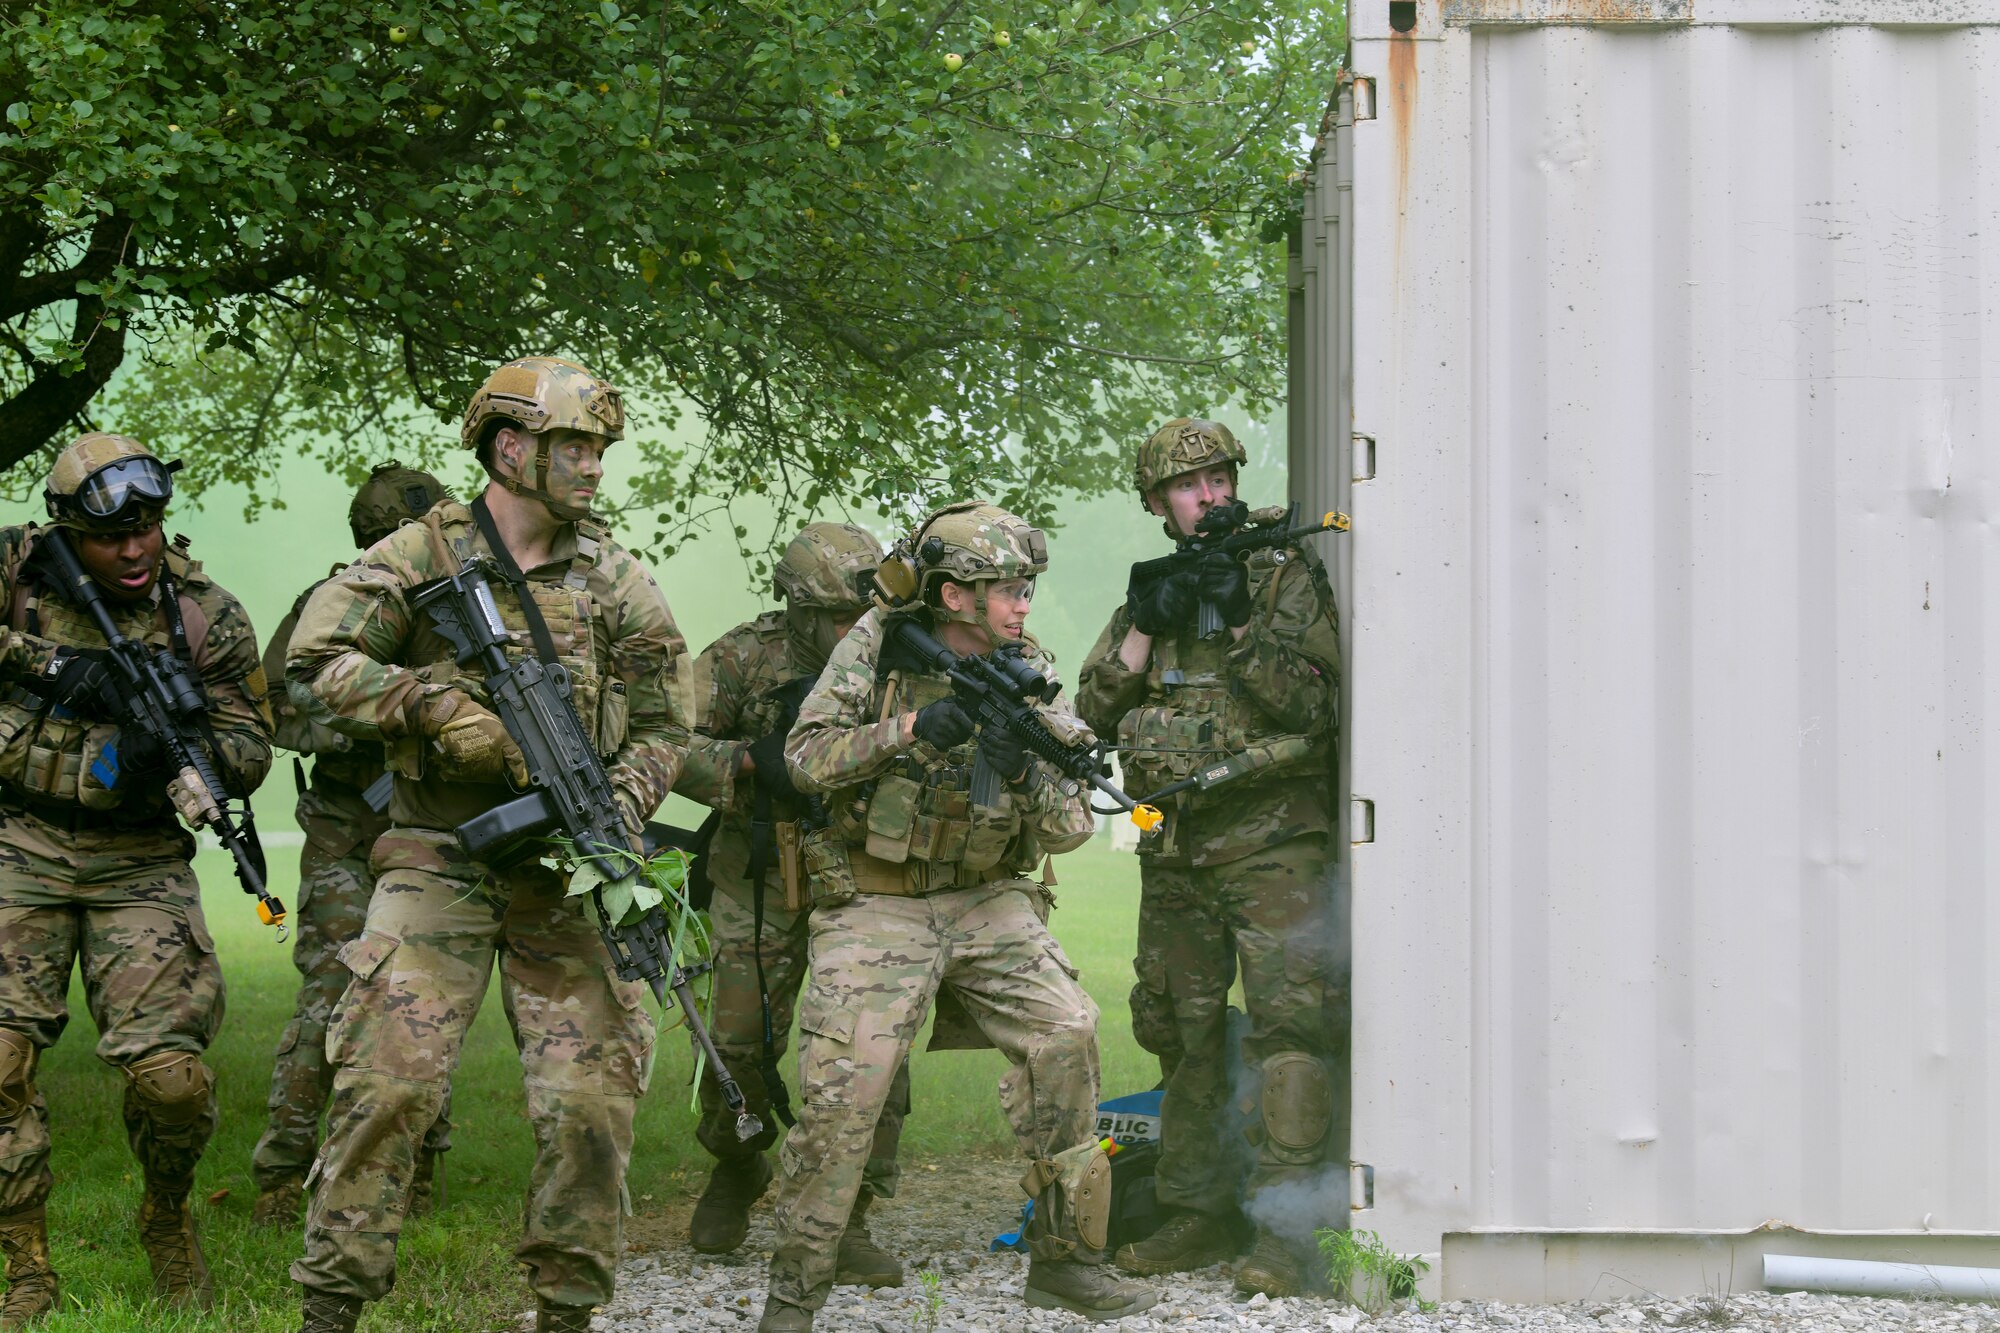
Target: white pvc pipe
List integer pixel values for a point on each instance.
(1867, 1277)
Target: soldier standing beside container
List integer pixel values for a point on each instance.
(98, 872)
(748, 685)
(1237, 877)
(340, 827)
(916, 890)
(439, 921)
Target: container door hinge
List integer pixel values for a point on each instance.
(1360, 1186)
(1364, 457)
(1364, 98)
(1363, 820)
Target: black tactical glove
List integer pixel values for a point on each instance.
(1164, 605)
(140, 754)
(773, 774)
(80, 680)
(1225, 585)
(943, 724)
(1002, 749)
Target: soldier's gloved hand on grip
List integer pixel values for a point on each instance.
(473, 742)
(943, 723)
(80, 680)
(1225, 584)
(773, 774)
(139, 753)
(1005, 752)
(1164, 605)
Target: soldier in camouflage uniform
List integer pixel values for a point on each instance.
(1237, 877)
(334, 884)
(917, 891)
(748, 684)
(438, 920)
(96, 867)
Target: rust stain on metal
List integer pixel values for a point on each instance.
(1403, 123)
(1468, 13)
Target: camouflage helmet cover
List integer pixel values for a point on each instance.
(974, 541)
(106, 483)
(391, 494)
(544, 393)
(1183, 445)
(828, 565)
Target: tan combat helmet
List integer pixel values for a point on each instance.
(826, 574)
(542, 394)
(391, 494)
(108, 483)
(829, 565)
(1183, 445)
(974, 542)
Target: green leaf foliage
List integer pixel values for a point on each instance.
(880, 253)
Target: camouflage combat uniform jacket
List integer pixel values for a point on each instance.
(438, 921)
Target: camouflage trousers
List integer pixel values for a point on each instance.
(739, 1027)
(436, 924)
(332, 907)
(878, 963)
(123, 906)
(1266, 913)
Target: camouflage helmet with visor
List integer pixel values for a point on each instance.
(1185, 444)
(103, 483)
(974, 542)
(391, 494)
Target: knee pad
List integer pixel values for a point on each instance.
(173, 1086)
(18, 1058)
(1072, 1194)
(1297, 1106)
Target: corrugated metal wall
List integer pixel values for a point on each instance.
(1674, 671)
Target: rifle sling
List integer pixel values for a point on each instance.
(545, 646)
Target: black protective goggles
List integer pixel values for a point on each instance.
(109, 491)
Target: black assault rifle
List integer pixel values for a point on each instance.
(571, 796)
(1228, 528)
(156, 693)
(1001, 690)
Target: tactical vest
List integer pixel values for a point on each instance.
(45, 750)
(579, 633)
(775, 666)
(338, 759)
(919, 814)
(1195, 712)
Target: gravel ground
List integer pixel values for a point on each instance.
(943, 1219)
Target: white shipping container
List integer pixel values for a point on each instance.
(1666, 334)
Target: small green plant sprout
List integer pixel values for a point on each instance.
(930, 1305)
(1362, 1269)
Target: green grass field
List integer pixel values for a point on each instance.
(456, 1267)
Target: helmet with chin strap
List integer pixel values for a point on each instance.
(542, 395)
(825, 574)
(973, 542)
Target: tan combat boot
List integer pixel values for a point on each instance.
(861, 1261)
(31, 1279)
(329, 1312)
(722, 1216)
(278, 1206)
(1186, 1241)
(1271, 1268)
(166, 1233)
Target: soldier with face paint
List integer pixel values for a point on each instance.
(334, 884)
(1235, 882)
(93, 864)
(439, 921)
(748, 685)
